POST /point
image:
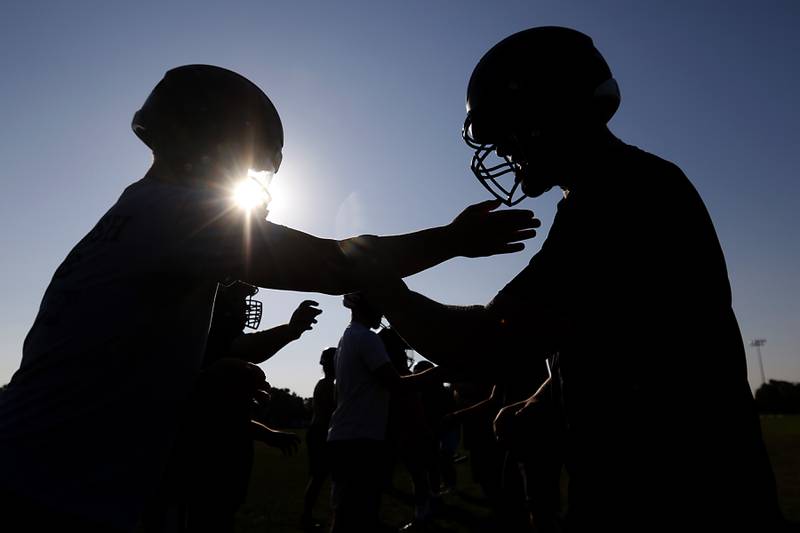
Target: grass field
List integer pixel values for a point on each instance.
(275, 500)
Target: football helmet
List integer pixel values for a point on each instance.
(528, 85)
(235, 303)
(204, 109)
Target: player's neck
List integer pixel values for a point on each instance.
(590, 159)
(356, 318)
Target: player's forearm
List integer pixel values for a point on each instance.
(448, 335)
(422, 379)
(476, 409)
(403, 255)
(289, 259)
(260, 432)
(258, 347)
(313, 264)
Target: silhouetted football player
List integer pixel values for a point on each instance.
(662, 432)
(87, 422)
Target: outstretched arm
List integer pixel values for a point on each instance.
(515, 422)
(476, 409)
(454, 336)
(285, 441)
(258, 347)
(522, 324)
(390, 379)
(307, 263)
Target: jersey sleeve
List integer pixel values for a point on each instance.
(215, 239)
(533, 308)
(212, 238)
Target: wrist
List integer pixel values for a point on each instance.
(294, 331)
(447, 237)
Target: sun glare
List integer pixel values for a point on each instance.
(259, 190)
(249, 194)
(252, 191)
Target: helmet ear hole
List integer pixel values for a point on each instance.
(606, 100)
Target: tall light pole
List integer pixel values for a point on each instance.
(758, 343)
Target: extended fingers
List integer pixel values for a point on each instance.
(485, 206)
(509, 248)
(514, 218)
(522, 235)
(510, 242)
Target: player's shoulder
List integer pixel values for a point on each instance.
(643, 161)
(367, 335)
(650, 176)
(154, 198)
(355, 332)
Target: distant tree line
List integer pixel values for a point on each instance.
(778, 397)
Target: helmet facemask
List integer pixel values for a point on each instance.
(237, 303)
(253, 311)
(507, 189)
(528, 100)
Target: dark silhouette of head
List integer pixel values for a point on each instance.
(207, 122)
(536, 99)
(327, 361)
(362, 311)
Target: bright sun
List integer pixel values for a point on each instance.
(249, 194)
(252, 191)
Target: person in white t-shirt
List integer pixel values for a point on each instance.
(87, 422)
(365, 376)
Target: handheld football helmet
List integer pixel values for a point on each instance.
(200, 109)
(235, 302)
(530, 83)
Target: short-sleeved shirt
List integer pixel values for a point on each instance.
(631, 290)
(362, 402)
(88, 419)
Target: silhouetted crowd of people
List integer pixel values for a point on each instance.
(137, 398)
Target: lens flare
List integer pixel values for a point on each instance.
(253, 191)
(249, 194)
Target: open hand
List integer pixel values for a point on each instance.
(480, 231)
(305, 316)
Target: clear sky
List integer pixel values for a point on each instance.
(372, 98)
